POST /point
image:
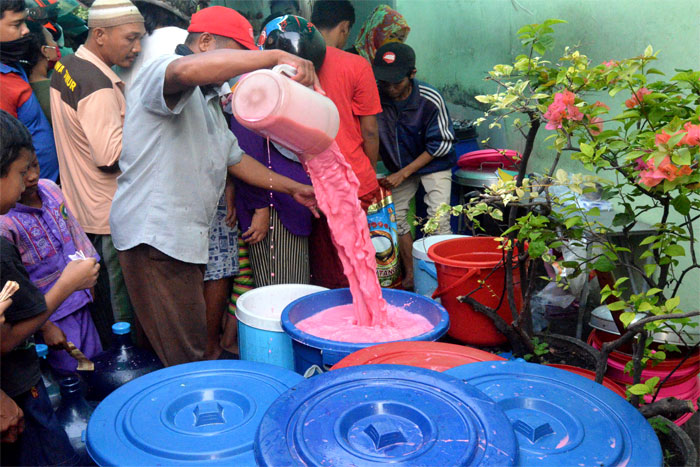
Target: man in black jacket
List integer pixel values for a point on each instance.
(416, 142)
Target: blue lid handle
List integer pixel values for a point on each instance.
(121, 328)
(384, 437)
(208, 413)
(533, 433)
(42, 350)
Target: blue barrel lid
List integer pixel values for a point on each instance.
(121, 327)
(561, 418)
(42, 350)
(202, 413)
(378, 414)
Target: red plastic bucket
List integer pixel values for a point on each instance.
(473, 266)
(437, 356)
(607, 382)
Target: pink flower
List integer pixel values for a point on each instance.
(601, 104)
(562, 108)
(637, 99)
(692, 137)
(610, 63)
(596, 125)
(662, 138)
(666, 170)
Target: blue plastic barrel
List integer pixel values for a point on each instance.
(310, 350)
(197, 414)
(384, 415)
(260, 334)
(561, 418)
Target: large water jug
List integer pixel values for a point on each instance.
(119, 364)
(275, 106)
(52, 388)
(73, 414)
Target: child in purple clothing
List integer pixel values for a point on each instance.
(46, 233)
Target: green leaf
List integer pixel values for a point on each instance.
(674, 250)
(603, 264)
(587, 149)
(648, 240)
(639, 389)
(653, 291)
(572, 221)
(652, 382)
(594, 212)
(620, 281)
(649, 269)
(537, 249)
(622, 219)
(617, 306)
(626, 317)
(682, 204)
(648, 51)
(672, 303)
(644, 306)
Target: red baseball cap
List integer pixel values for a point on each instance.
(224, 22)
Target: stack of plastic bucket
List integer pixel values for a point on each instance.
(473, 266)
(436, 356)
(424, 274)
(260, 334)
(312, 352)
(684, 383)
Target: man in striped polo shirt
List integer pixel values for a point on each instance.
(416, 142)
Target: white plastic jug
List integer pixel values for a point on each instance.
(285, 111)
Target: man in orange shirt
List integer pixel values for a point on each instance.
(349, 82)
(87, 109)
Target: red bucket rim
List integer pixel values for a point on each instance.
(390, 350)
(439, 259)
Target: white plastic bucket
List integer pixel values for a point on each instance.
(260, 334)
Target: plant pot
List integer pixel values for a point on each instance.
(565, 350)
(679, 449)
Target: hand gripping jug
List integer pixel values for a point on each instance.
(274, 106)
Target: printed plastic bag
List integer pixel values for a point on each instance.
(381, 218)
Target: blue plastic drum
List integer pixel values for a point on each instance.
(203, 413)
(310, 350)
(561, 418)
(380, 414)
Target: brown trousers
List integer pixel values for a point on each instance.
(168, 299)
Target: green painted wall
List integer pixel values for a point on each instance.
(458, 41)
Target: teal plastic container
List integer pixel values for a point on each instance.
(260, 334)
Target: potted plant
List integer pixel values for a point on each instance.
(645, 159)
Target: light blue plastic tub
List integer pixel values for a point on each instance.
(260, 334)
(424, 274)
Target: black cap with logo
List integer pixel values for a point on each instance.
(393, 62)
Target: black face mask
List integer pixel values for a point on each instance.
(14, 51)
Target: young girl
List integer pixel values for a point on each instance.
(22, 392)
(46, 233)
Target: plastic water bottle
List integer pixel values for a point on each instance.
(52, 388)
(119, 364)
(73, 414)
